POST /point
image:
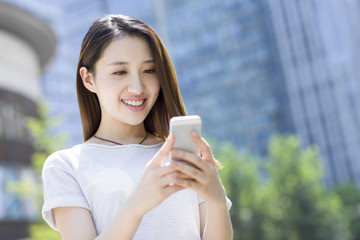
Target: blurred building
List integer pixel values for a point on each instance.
(26, 47)
(70, 20)
(318, 46)
(226, 69)
(255, 68)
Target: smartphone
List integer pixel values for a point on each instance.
(182, 127)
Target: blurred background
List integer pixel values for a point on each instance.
(273, 80)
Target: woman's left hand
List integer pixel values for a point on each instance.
(202, 174)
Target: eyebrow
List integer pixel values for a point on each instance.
(124, 63)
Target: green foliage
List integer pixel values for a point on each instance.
(242, 183)
(42, 231)
(302, 207)
(282, 196)
(350, 196)
(44, 144)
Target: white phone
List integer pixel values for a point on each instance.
(181, 127)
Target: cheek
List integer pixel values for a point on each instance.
(107, 94)
(154, 86)
(106, 85)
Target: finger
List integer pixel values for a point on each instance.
(204, 146)
(161, 171)
(162, 154)
(168, 190)
(191, 172)
(187, 183)
(181, 160)
(189, 158)
(182, 175)
(169, 179)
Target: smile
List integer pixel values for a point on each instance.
(134, 103)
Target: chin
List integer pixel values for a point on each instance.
(135, 121)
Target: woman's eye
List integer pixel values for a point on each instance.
(120, 72)
(150, 71)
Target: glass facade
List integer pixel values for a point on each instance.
(223, 61)
(318, 48)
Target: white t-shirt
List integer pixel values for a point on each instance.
(100, 178)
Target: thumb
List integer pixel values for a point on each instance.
(163, 152)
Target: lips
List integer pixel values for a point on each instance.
(135, 105)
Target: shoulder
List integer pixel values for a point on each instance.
(66, 158)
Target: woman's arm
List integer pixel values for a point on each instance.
(215, 220)
(76, 223)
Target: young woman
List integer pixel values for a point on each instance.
(119, 184)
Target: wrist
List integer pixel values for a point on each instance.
(132, 209)
(220, 203)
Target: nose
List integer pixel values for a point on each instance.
(135, 85)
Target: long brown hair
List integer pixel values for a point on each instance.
(169, 102)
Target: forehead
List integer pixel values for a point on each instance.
(128, 49)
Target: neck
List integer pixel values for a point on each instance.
(122, 133)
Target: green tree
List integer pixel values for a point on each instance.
(282, 195)
(44, 143)
(301, 207)
(350, 196)
(241, 179)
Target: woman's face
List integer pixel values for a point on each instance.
(126, 81)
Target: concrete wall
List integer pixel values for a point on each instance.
(19, 66)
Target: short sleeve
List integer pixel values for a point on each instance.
(61, 189)
(228, 203)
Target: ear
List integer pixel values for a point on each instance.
(87, 79)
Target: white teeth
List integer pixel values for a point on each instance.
(134, 103)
